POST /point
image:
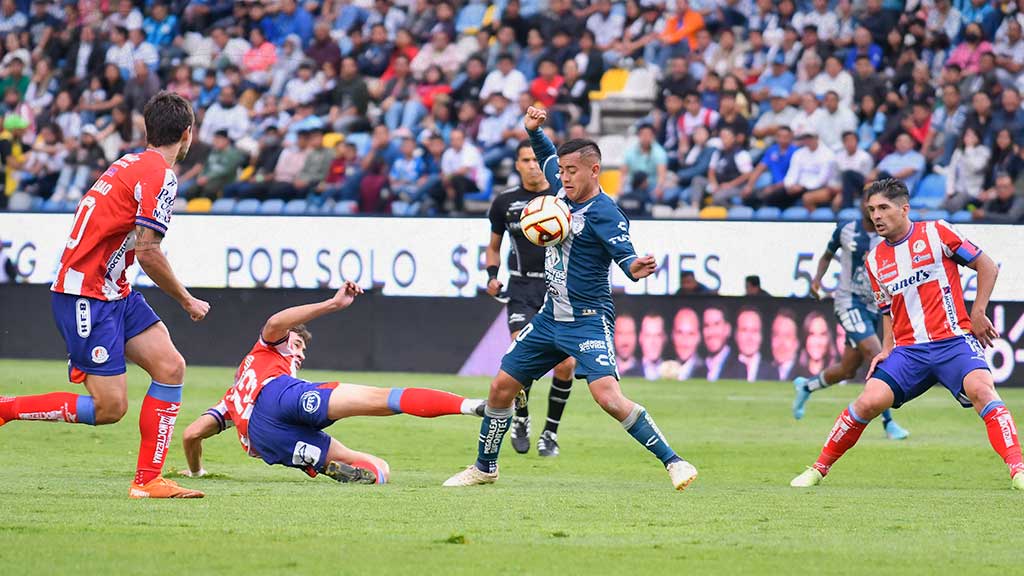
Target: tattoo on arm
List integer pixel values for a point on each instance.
(147, 239)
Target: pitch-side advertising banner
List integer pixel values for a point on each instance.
(445, 257)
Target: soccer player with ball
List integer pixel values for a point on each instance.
(583, 234)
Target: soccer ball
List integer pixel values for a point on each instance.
(545, 221)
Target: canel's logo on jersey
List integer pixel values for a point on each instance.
(919, 277)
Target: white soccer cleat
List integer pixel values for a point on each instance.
(1018, 481)
(471, 476)
(682, 474)
(807, 479)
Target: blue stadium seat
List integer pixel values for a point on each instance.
(247, 206)
(272, 206)
(795, 213)
(361, 141)
(53, 206)
(399, 208)
(37, 204)
(823, 214)
(223, 206)
(741, 213)
(961, 217)
(932, 215)
(485, 194)
(295, 207)
(470, 18)
(346, 207)
(847, 214)
(20, 202)
(768, 213)
(930, 192)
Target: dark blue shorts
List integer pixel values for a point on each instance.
(858, 321)
(911, 370)
(543, 343)
(287, 422)
(96, 331)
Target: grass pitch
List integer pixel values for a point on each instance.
(939, 502)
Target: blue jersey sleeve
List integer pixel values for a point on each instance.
(547, 156)
(612, 227)
(835, 243)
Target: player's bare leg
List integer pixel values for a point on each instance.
(497, 417)
(154, 352)
(349, 400)
(635, 420)
(353, 467)
(561, 387)
(1002, 431)
(106, 403)
(876, 398)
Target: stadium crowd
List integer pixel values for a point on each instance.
(417, 105)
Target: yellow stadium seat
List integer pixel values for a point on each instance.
(611, 182)
(331, 139)
(246, 173)
(489, 15)
(613, 81)
(199, 205)
(713, 213)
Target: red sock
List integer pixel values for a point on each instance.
(844, 435)
(156, 425)
(424, 402)
(1002, 434)
(53, 407)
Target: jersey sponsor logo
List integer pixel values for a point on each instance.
(919, 246)
(83, 318)
(948, 305)
(591, 345)
(516, 317)
(305, 454)
(310, 401)
(588, 312)
(919, 277)
(164, 430)
(99, 355)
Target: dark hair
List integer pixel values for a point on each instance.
(849, 133)
(524, 143)
(891, 189)
(303, 333)
(584, 146)
(506, 56)
(167, 117)
(753, 280)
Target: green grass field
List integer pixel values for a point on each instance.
(938, 502)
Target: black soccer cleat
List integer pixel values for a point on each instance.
(349, 474)
(521, 434)
(547, 444)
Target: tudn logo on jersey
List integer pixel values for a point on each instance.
(310, 401)
(919, 277)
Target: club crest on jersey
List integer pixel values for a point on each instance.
(578, 222)
(919, 246)
(310, 401)
(99, 355)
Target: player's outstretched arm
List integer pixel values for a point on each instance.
(823, 263)
(492, 259)
(156, 266)
(987, 271)
(543, 148)
(279, 324)
(204, 427)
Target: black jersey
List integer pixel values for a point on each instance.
(526, 259)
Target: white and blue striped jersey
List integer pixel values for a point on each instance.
(851, 243)
(577, 271)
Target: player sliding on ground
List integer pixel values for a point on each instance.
(928, 336)
(280, 418)
(123, 217)
(855, 310)
(578, 317)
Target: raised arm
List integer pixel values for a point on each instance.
(279, 324)
(545, 151)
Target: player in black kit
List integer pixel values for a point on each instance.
(526, 292)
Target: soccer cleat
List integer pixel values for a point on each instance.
(471, 476)
(480, 408)
(1018, 481)
(521, 434)
(347, 474)
(547, 444)
(161, 487)
(894, 431)
(807, 478)
(682, 474)
(802, 395)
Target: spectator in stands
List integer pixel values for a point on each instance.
(867, 81)
(572, 103)
(980, 13)
(499, 131)
(968, 54)
(965, 175)
(835, 79)
(810, 177)
(688, 285)
(864, 45)
(440, 52)
(643, 39)
(143, 85)
(852, 164)
(606, 26)
(332, 186)
(506, 79)
(728, 54)
(1006, 203)
(947, 121)
(289, 166)
(807, 70)
(768, 180)
(981, 116)
(836, 121)
(811, 115)
(904, 163)
(944, 18)
(8, 270)
(350, 98)
(1009, 115)
(694, 163)
(1006, 157)
(676, 80)
(730, 117)
(12, 153)
(1009, 51)
(376, 55)
(696, 114)
(652, 345)
(44, 163)
(644, 172)
(142, 50)
(463, 172)
(302, 89)
(470, 83)
(752, 287)
(83, 161)
(219, 169)
(536, 48)
(84, 59)
(160, 26)
(226, 114)
(590, 61)
(780, 114)
(119, 135)
(727, 176)
(407, 172)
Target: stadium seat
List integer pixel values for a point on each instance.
(768, 213)
(53, 206)
(295, 207)
(640, 85)
(180, 205)
(485, 194)
(247, 206)
(399, 208)
(932, 215)
(611, 182)
(346, 207)
(272, 206)
(20, 202)
(331, 139)
(847, 214)
(795, 213)
(713, 213)
(613, 150)
(613, 81)
(246, 173)
(470, 18)
(930, 192)
(223, 206)
(199, 205)
(361, 141)
(741, 213)
(961, 217)
(823, 214)
(662, 212)
(492, 10)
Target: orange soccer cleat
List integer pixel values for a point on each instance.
(161, 487)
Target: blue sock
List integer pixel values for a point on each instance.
(85, 408)
(886, 417)
(641, 426)
(492, 432)
(395, 400)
